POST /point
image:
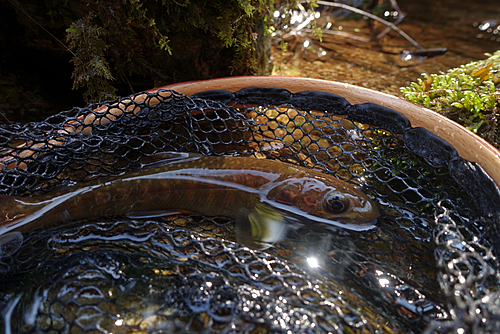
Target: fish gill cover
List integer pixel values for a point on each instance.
(430, 265)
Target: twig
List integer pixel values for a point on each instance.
(400, 18)
(373, 17)
(343, 34)
(38, 24)
(303, 24)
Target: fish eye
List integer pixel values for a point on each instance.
(336, 202)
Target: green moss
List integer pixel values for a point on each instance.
(468, 94)
(140, 35)
(135, 37)
(91, 67)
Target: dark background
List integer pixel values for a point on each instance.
(35, 70)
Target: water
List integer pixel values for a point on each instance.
(433, 24)
(179, 273)
(131, 275)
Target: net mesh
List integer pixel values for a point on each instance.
(429, 265)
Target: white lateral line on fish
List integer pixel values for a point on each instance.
(52, 203)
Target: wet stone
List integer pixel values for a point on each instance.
(75, 329)
(129, 302)
(132, 319)
(58, 323)
(154, 322)
(44, 307)
(27, 328)
(148, 308)
(52, 331)
(112, 325)
(91, 277)
(68, 291)
(89, 295)
(109, 307)
(43, 322)
(56, 309)
(69, 311)
(88, 316)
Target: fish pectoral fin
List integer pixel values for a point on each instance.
(261, 227)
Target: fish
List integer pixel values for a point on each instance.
(265, 197)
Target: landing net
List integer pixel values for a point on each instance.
(430, 265)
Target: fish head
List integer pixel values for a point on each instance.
(324, 199)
